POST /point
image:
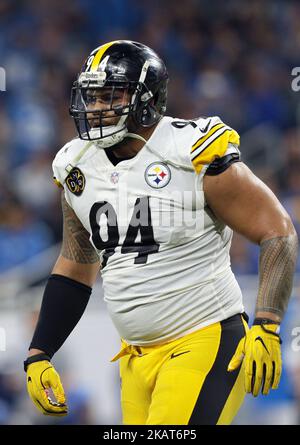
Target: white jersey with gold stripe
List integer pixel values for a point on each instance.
(165, 257)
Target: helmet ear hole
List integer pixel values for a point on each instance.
(146, 116)
(155, 98)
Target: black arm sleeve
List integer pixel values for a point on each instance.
(221, 164)
(64, 302)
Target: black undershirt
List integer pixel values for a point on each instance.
(113, 158)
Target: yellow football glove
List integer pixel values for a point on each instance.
(260, 350)
(41, 377)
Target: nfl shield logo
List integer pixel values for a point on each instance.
(114, 177)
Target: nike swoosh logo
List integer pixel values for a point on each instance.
(204, 130)
(262, 342)
(180, 353)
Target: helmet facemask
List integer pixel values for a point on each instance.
(108, 106)
(100, 108)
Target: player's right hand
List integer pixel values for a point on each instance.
(41, 377)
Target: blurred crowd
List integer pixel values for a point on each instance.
(223, 59)
(228, 58)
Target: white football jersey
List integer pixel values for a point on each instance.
(165, 257)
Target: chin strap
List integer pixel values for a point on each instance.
(135, 136)
(88, 145)
(77, 158)
(82, 152)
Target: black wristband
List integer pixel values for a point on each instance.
(35, 358)
(64, 302)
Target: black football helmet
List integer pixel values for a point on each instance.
(128, 81)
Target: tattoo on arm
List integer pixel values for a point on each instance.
(76, 245)
(277, 263)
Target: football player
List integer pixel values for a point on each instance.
(152, 201)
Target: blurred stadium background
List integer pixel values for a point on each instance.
(232, 59)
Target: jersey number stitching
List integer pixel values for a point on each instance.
(140, 223)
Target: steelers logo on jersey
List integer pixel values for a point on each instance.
(75, 181)
(157, 175)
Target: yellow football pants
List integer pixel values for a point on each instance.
(185, 381)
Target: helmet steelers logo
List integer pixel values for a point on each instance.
(157, 175)
(75, 181)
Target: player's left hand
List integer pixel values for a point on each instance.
(260, 350)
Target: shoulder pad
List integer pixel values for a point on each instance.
(215, 136)
(66, 159)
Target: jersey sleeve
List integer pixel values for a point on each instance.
(219, 165)
(216, 140)
(60, 167)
